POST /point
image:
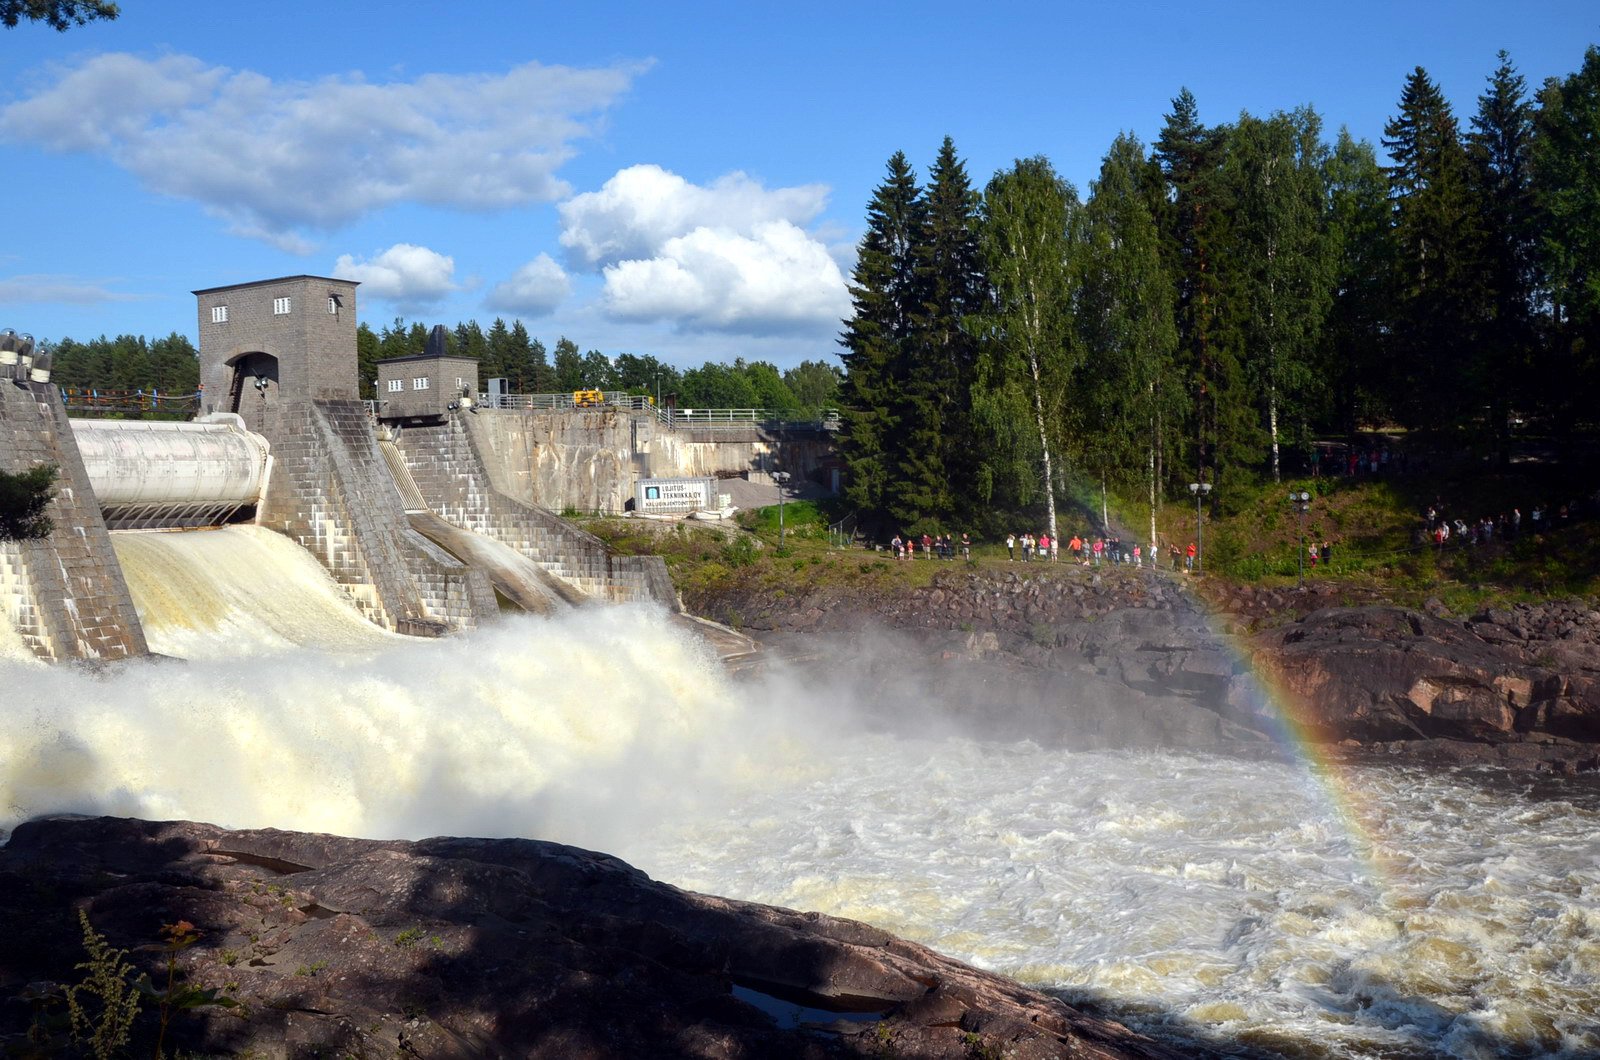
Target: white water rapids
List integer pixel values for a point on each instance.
(1213, 900)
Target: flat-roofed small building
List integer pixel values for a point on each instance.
(424, 386)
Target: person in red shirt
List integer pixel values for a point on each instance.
(1189, 554)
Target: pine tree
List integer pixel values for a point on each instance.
(884, 300)
(1440, 302)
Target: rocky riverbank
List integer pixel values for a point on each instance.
(447, 948)
(1112, 657)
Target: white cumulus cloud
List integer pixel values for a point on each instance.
(533, 290)
(407, 275)
(638, 210)
(729, 256)
(277, 157)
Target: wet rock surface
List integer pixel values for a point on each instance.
(488, 948)
(1114, 657)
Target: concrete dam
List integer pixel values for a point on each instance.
(428, 515)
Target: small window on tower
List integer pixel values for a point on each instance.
(280, 306)
(333, 305)
(219, 314)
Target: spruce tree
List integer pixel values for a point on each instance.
(884, 300)
(497, 356)
(1567, 186)
(1356, 340)
(1499, 146)
(1440, 301)
(1196, 228)
(568, 365)
(544, 377)
(953, 288)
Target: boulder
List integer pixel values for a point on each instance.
(487, 948)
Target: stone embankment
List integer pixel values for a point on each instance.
(1116, 657)
(456, 948)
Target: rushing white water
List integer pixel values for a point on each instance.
(1215, 900)
(241, 590)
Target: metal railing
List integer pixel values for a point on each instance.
(672, 418)
(92, 400)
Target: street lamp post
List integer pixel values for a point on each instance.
(1200, 490)
(1302, 504)
(780, 477)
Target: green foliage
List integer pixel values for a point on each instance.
(885, 301)
(177, 995)
(800, 519)
(104, 1004)
(24, 496)
(57, 14)
(1438, 299)
(1027, 352)
(128, 362)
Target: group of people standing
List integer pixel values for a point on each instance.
(1443, 530)
(943, 546)
(1092, 551)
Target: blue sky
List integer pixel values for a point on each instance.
(683, 180)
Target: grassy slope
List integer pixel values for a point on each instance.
(1370, 524)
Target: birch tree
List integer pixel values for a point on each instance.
(1281, 264)
(1027, 353)
(1125, 318)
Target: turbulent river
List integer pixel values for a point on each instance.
(1373, 911)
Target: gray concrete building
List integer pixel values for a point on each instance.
(262, 343)
(424, 387)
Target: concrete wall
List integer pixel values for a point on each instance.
(468, 484)
(65, 593)
(331, 493)
(588, 460)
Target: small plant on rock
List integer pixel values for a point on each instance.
(102, 1006)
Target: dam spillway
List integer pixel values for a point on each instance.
(158, 475)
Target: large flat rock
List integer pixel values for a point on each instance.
(489, 948)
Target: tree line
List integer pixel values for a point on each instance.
(509, 352)
(171, 366)
(1222, 298)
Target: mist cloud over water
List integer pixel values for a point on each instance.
(580, 730)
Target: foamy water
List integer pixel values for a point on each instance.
(1196, 896)
(241, 590)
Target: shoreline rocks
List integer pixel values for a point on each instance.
(1113, 657)
(487, 948)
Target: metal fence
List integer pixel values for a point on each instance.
(99, 401)
(674, 418)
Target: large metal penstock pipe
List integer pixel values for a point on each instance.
(152, 475)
